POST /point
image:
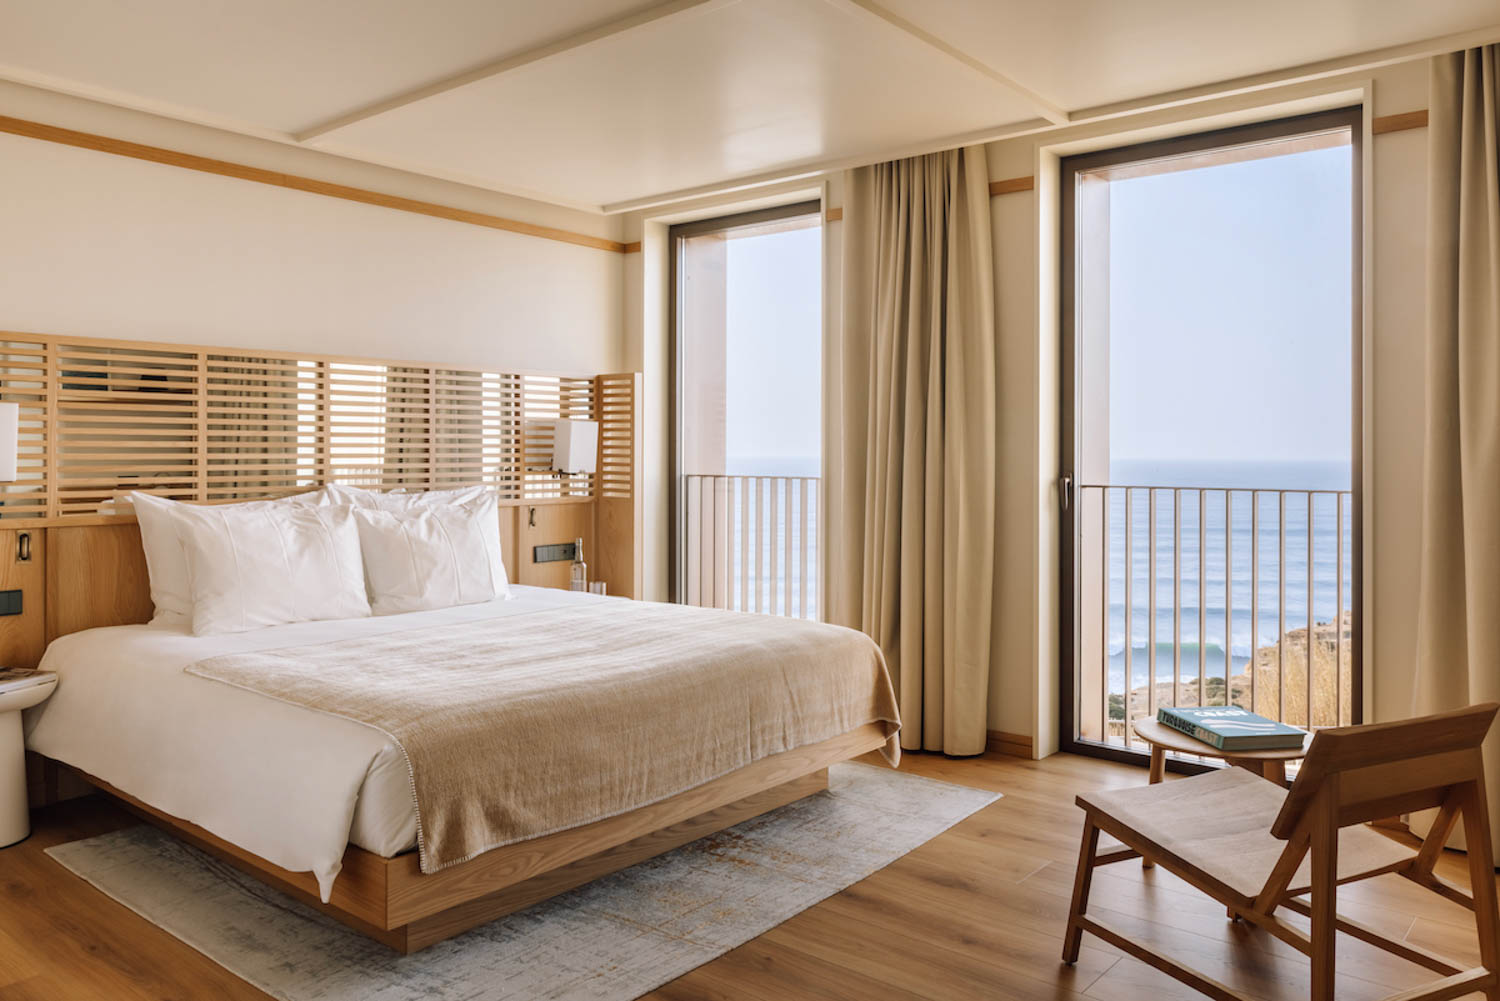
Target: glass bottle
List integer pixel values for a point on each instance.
(578, 578)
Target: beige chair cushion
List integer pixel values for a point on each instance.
(1220, 824)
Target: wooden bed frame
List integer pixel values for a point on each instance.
(393, 902)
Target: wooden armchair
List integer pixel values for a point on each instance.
(1256, 848)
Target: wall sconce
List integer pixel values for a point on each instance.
(10, 433)
(575, 446)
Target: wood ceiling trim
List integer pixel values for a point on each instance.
(1399, 123)
(225, 168)
(1011, 185)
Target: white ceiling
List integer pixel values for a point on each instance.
(1085, 53)
(607, 102)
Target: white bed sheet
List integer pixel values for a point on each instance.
(292, 785)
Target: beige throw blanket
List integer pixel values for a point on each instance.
(521, 726)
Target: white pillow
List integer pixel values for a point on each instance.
(400, 500)
(271, 564)
(166, 563)
(432, 556)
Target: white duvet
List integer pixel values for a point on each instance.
(288, 784)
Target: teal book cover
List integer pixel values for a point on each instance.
(1230, 728)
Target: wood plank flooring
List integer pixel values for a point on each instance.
(976, 913)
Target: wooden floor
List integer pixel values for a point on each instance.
(977, 912)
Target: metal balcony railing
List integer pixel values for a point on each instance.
(750, 543)
(1212, 596)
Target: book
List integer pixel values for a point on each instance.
(15, 678)
(1230, 728)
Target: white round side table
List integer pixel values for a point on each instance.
(15, 819)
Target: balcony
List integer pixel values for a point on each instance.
(1232, 596)
(750, 543)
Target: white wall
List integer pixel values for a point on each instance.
(646, 351)
(101, 245)
(1395, 383)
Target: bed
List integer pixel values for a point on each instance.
(204, 735)
(302, 783)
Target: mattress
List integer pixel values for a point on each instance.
(252, 770)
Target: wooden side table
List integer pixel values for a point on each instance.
(1162, 738)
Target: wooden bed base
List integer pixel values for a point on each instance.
(393, 902)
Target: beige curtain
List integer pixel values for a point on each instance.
(911, 500)
(1458, 628)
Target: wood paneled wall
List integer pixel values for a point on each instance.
(210, 425)
(213, 424)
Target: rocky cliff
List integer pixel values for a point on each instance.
(1331, 683)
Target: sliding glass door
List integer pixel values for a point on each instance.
(747, 344)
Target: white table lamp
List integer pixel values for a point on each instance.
(575, 446)
(10, 431)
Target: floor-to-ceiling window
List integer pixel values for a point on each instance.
(747, 340)
(1211, 329)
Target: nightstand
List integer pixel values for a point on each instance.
(15, 820)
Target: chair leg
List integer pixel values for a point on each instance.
(1325, 916)
(1081, 882)
(1158, 773)
(1437, 836)
(1482, 882)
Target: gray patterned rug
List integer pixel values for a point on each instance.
(611, 940)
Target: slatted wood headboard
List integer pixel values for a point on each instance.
(211, 424)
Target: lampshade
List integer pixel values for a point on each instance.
(575, 446)
(10, 424)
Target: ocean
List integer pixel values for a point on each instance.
(1240, 477)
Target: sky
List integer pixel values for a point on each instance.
(1230, 333)
(774, 354)
(1229, 323)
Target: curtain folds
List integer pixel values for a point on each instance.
(912, 426)
(1458, 626)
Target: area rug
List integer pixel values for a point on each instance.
(612, 940)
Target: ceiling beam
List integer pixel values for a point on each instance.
(1044, 108)
(556, 47)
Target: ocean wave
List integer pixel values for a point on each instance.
(1239, 649)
